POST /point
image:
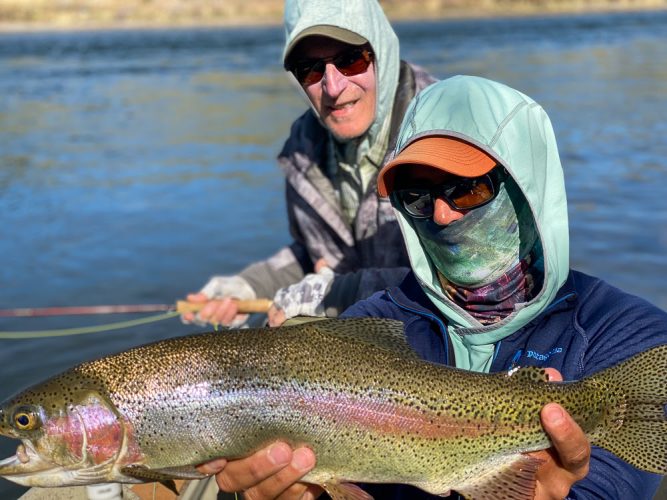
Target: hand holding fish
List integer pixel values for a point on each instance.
(269, 473)
(304, 298)
(275, 471)
(350, 390)
(276, 316)
(568, 460)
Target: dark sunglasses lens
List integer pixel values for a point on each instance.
(353, 62)
(309, 72)
(472, 193)
(463, 195)
(416, 202)
(350, 63)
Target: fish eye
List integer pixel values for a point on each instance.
(25, 419)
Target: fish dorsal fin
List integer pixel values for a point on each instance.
(527, 374)
(299, 320)
(345, 491)
(387, 334)
(514, 481)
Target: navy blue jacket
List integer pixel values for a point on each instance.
(588, 327)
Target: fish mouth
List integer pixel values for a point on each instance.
(28, 468)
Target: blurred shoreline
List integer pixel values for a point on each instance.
(81, 15)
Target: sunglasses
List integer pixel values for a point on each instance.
(350, 62)
(462, 194)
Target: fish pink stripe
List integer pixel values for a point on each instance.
(375, 414)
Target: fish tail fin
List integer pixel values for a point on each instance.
(636, 429)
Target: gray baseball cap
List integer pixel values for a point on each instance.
(340, 34)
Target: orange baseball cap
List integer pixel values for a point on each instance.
(451, 155)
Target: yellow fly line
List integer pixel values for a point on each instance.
(244, 307)
(35, 334)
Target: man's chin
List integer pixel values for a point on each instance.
(345, 133)
(347, 124)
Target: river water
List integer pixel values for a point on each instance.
(135, 164)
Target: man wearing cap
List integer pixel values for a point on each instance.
(478, 189)
(344, 56)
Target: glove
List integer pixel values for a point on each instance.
(219, 287)
(305, 298)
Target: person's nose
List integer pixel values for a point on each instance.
(444, 214)
(333, 81)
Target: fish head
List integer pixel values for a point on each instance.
(70, 435)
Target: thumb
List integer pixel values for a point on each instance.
(554, 375)
(320, 264)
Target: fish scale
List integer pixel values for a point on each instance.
(352, 390)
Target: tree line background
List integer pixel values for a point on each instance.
(72, 14)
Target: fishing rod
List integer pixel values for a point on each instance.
(181, 306)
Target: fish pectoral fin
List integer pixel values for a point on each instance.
(345, 491)
(163, 476)
(143, 472)
(515, 481)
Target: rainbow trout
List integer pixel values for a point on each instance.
(352, 390)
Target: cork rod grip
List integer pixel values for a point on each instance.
(245, 306)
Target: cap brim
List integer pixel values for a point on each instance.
(329, 31)
(450, 155)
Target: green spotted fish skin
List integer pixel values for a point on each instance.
(352, 390)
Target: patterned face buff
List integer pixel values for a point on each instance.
(485, 243)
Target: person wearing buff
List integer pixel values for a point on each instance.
(344, 58)
(477, 186)
(478, 189)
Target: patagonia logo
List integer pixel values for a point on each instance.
(543, 357)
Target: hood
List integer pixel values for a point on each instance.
(365, 18)
(514, 130)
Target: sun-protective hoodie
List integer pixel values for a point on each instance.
(515, 131)
(356, 251)
(578, 324)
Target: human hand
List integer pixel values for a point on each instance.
(213, 311)
(216, 299)
(305, 298)
(276, 316)
(320, 264)
(567, 461)
(272, 472)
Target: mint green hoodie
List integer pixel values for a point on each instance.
(516, 131)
